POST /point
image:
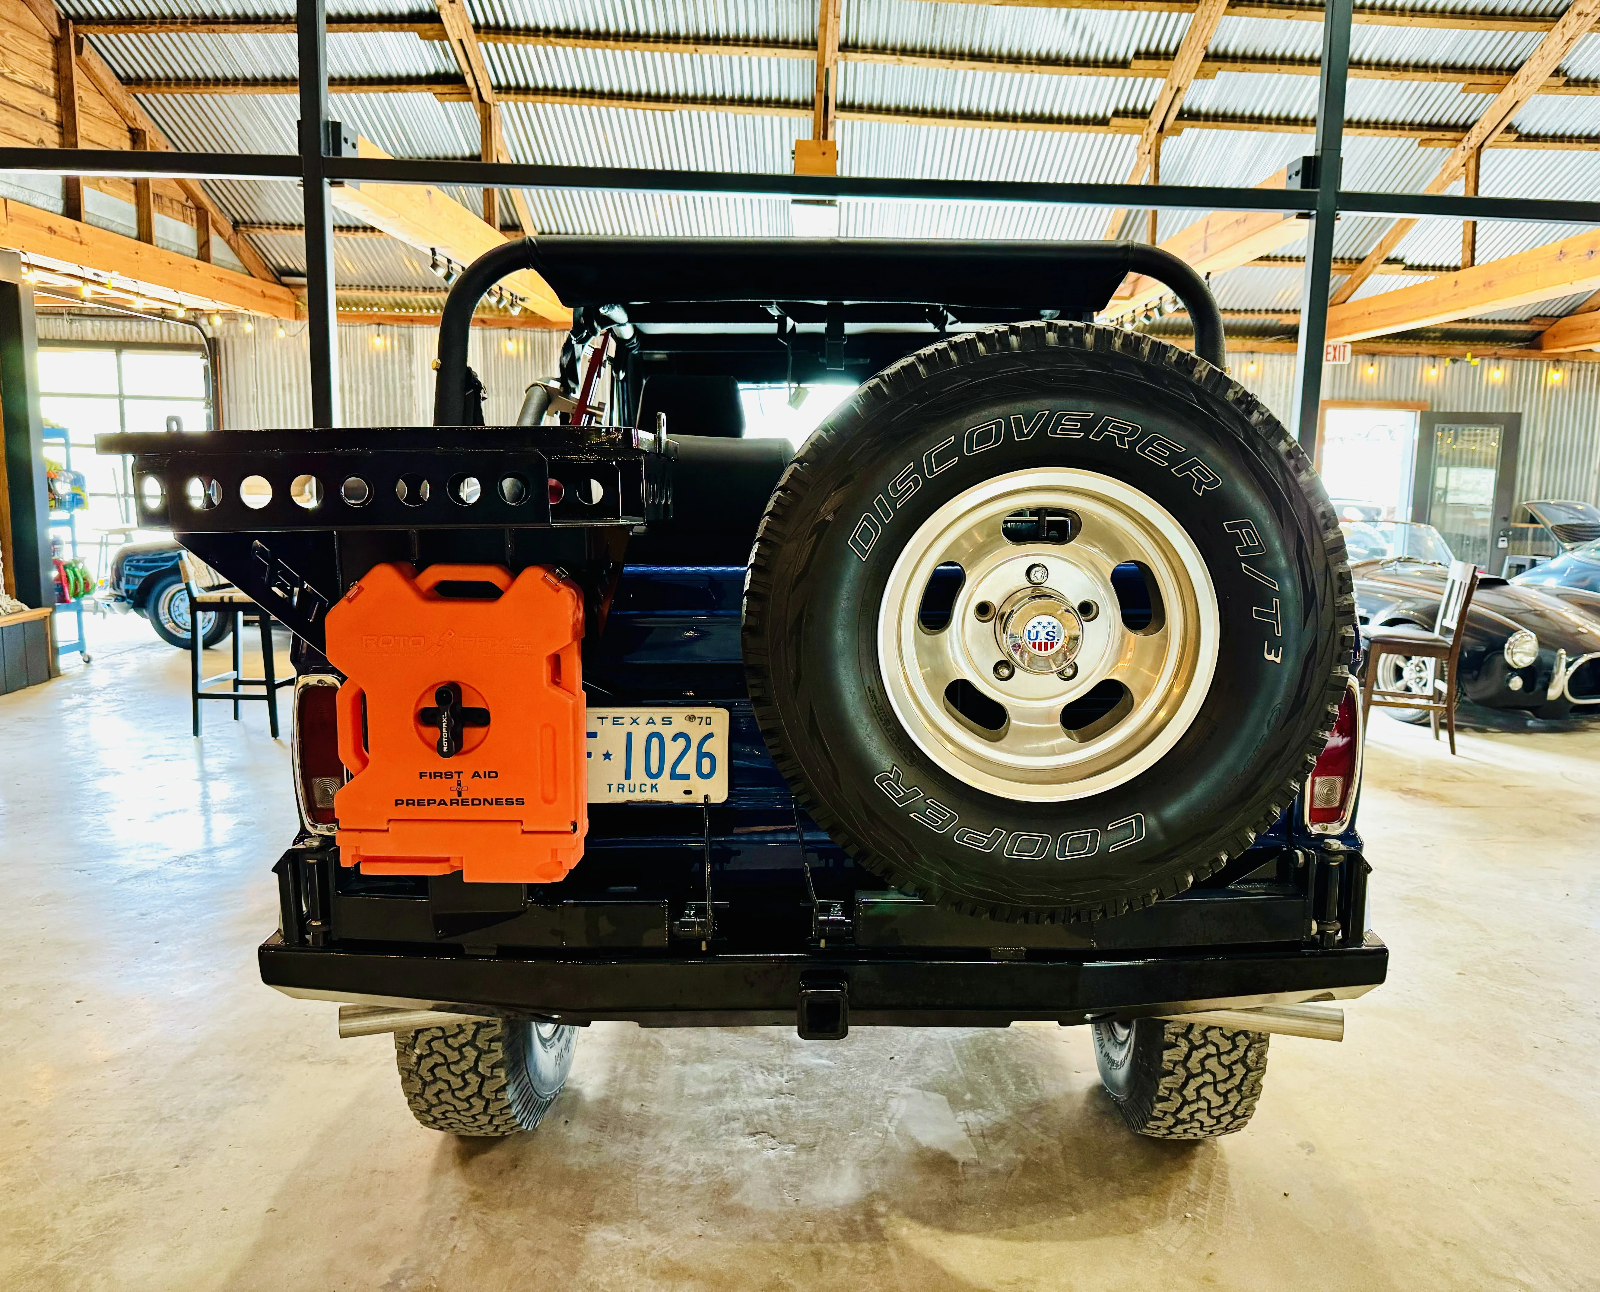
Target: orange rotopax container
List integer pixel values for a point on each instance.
(461, 724)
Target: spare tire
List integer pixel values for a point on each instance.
(1048, 621)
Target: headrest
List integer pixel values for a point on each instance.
(693, 405)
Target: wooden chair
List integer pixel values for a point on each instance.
(208, 591)
(1442, 645)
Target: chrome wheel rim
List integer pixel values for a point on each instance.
(174, 612)
(1411, 673)
(1061, 637)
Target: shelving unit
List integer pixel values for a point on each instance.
(64, 525)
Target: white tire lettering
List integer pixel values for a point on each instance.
(904, 485)
(935, 815)
(1114, 428)
(1158, 448)
(980, 439)
(982, 842)
(1025, 433)
(1070, 426)
(900, 795)
(1080, 843)
(1136, 821)
(1197, 471)
(931, 466)
(1022, 846)
(867, 533)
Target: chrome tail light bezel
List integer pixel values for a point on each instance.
(1352, 696)
(308, 821)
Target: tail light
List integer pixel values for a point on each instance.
(318, 773)
(1330, 794)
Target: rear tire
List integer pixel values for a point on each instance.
(1174, 1080)
(486, 1076)
(1043, 744)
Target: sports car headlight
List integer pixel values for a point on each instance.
(1522, 648)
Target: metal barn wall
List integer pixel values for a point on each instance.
(385, 373)
(1559, 453)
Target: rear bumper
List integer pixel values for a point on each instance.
(899, 990)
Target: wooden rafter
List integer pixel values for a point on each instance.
(1305, 11)
(1577, 21)
(67, 97)
(463, 40)
(1185, 63)
(1539, 274)
(99, 73)
(1440, 136)
(826, 96)
(1218, 242)
(55, 238)
(425, 217)
(1473, 80)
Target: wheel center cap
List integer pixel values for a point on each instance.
(1038, 630)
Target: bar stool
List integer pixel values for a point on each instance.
(208, 591)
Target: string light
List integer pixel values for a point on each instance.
(281, 332)
(247, 326)
(1555, 376)
(1495, 374)
(1251, 366)
(1433, 369)
(1371, 369)
(216, 320)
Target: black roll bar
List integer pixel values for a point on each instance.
(449, 401)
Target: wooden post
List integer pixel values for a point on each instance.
(202, 235)
(67, 103)
(489, 150)
(1469, 228)
(144, 200)
(1155, 178)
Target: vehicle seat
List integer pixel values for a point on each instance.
(720, 488)
(696, 406)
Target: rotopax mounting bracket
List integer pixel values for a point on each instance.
(295, 517)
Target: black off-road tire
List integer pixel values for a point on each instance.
(1173, 1080)
(967, 410)
(484, 1076)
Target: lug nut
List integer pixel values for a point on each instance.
(1003, 670)
(1038, 573)
(1087, 610)
(1067, 671)
(984, 610)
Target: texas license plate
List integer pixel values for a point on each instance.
(676, 755)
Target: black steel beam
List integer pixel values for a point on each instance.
(475, 174)
(154, 165)
(1326, 164)
(318, 137)
(27, 498)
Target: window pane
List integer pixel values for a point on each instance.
(84, 418)
(168, 373)
(77, 372)
(152, 414)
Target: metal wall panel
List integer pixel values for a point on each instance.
(1559, 453)
(385, 373)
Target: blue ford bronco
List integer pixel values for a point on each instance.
(1020, 692)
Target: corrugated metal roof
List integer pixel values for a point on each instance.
(419, 125)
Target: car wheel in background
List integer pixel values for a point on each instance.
(168, 609)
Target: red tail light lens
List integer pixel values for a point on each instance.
(1330, 793)
(318, 773)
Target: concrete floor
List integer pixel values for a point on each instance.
(168, 1122)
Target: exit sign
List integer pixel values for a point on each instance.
(1336, 352)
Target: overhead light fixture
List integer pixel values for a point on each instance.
(435, 266)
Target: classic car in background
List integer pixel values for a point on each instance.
(1570, 523)
(1576, 570)
(144, 578)
(1524, 649)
